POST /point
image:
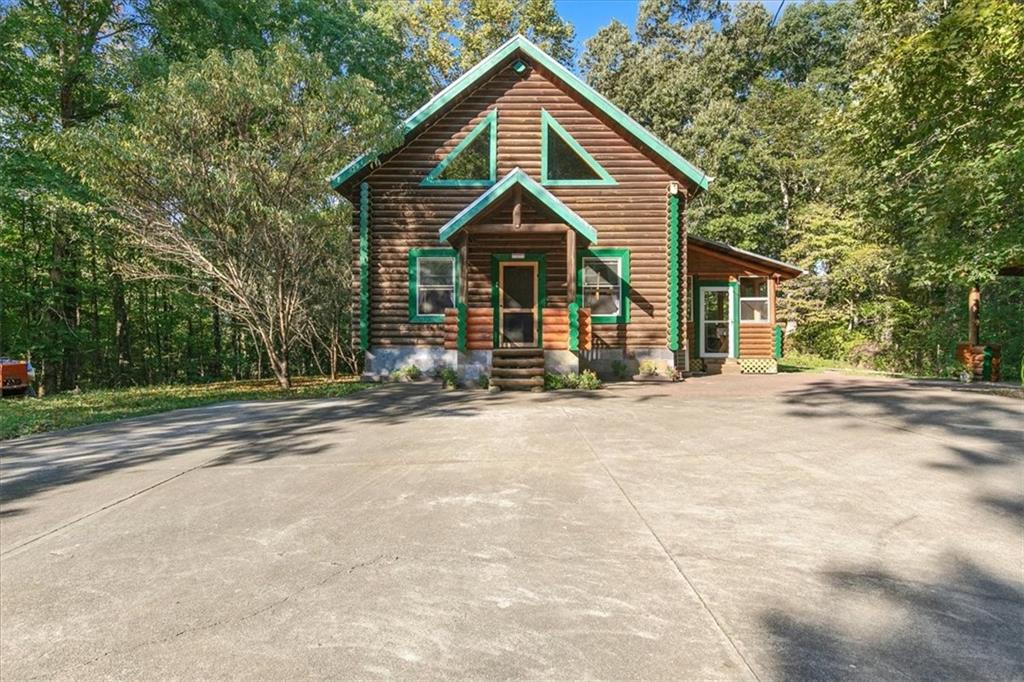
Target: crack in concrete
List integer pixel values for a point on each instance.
(664, 549)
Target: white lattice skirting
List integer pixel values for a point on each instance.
(759, 365)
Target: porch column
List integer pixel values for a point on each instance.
(570, 265)
(463, 269)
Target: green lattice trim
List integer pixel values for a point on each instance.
(364, 267)
(673, 272)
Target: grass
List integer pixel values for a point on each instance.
(24, 416)
(800, 362)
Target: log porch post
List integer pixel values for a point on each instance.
(463, 269)
(570, 266)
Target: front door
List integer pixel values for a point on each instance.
(716, 322)
(517, 298)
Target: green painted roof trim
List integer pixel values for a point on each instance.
(518, 177)
(549, 123)
(490, 122)
(522, 44)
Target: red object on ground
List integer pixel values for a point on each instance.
(14, 379)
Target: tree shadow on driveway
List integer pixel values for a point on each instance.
(235, 432)
(958, 622)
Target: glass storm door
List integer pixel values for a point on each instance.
(517, 289)
(715, 322)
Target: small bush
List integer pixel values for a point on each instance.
(553, 382)
(483, 381)
(588, 380)
(449, 378)
(620, 370)
(648, 368)
(410, 372)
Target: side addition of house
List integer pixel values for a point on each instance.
(527, 224)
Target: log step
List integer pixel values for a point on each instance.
(507, 384)
(518, 362)
(518, 352)
(517, 372)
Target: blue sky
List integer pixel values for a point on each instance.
(590, 15)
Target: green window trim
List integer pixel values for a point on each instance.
(414, 256)
(490, 122)
(364, 267)
(547, 123)
(542, 290)
(624, 299)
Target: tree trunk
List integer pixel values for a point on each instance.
(122, 340)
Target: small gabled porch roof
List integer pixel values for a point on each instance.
(517, 178)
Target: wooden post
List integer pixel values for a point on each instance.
(570, 265)
(517, 209)
(973, 310)
(463, 269)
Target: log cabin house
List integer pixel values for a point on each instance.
(527, 224)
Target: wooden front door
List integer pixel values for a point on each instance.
(517, 304)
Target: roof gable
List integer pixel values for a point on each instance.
(496, 59)
(517, 178)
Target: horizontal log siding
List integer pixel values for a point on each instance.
(757, 340)
(483, 246)
(629, 215)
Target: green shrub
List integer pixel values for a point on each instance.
(553, 382)
(620, 370)
(483, 381)
(411, 372)
(449, 378)
(648, 368)
(588, 380)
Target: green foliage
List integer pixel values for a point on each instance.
(64, 298)
(21, 417)
(407, 373)
(448, 37)
(620, 370)
(483, 381)
(649, 368)
(935, 135)
(449, 377)
(876, 144)
(586, 381)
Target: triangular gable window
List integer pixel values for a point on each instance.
(473, 162)
(564, 161)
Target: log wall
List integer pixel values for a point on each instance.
(629, 215)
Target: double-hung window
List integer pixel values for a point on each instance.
(754, 303)
(603, 284)
(433, 281)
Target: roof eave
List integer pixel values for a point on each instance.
(497, 191)
(748, 255)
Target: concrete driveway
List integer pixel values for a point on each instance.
(787, 527)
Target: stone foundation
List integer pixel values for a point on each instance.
(603, 361)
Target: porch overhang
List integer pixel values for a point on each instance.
(517, 179)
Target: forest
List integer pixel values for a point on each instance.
(165, 215)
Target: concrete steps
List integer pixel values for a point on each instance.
(519, 369)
